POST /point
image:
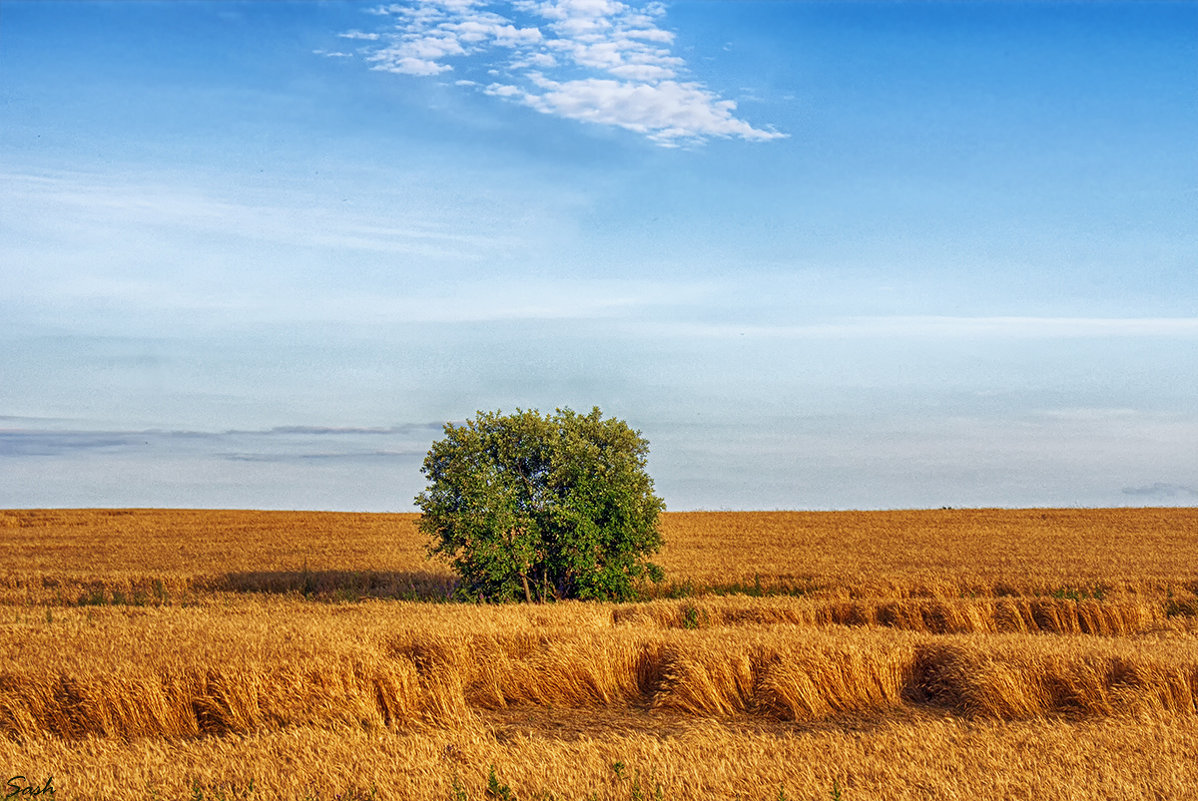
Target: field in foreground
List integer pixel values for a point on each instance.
(954, 654)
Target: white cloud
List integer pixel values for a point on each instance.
(667, 112)
(538, 60)
(503, 90)
(407, 65)
(573, 9)
(598, 61)
(643, 73)
(651, 35)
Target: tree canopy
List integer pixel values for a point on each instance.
(542, 507)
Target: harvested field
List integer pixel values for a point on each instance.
(1048, 654)
(50, 555)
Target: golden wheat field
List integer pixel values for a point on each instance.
(950, 654)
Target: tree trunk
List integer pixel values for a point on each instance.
(527, 593)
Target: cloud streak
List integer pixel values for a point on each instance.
(597, 61)
(932, 327)
(279, 444)
(1162, 489)
(291, 467)
(95, 203)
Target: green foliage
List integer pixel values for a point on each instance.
(496, 790)
(694, 617)
(542, 507)
(459, 792)
(636, 791)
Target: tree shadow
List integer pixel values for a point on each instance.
(340, 585)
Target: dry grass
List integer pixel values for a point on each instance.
(929, 655)
(939, 553)
(179, 672)
(157, 555)
(62, 555)
(907, 760)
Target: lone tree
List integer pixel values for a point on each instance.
(541, 507)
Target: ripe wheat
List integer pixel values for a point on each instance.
(168, 652)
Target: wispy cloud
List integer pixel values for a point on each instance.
(318, 456)
(57, 443)
(64, 226)
(1162, 489)
(938, 327)
(597, 61)
(279, 444)
(96, 242)
(290, 467)
(100, 202)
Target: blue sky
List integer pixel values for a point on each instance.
(823, 255)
